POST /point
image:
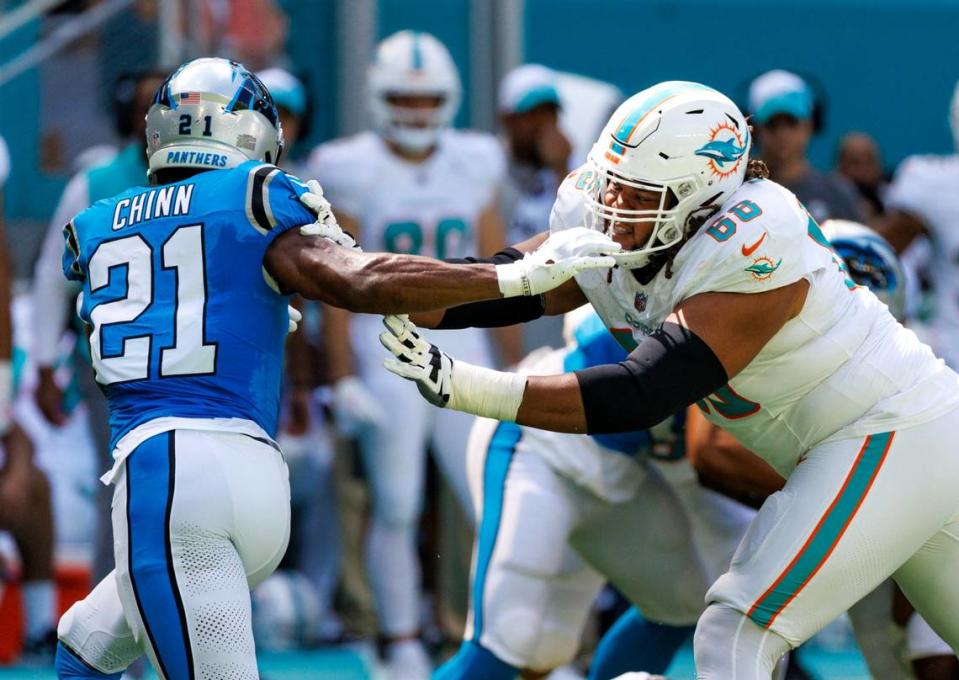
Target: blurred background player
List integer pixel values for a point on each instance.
(538, 156)
(25, 507)
(562, 514)
(782, 108)
(548, 121)
(54, 297)
(538, 151)
(310, 569)
(859, 161)
(411, 185)
(921, 203)
(6, 323)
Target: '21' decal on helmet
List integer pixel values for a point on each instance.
(725, 149)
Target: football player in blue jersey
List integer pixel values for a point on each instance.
(185, 287)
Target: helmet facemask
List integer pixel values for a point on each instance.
(669, 219)
(413, 128)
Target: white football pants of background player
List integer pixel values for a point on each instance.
(199, 518)
(561, 515)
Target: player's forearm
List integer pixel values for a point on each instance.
(386, 283)
(553, 402)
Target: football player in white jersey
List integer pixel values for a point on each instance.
(411, 185)
(734, 299)
(6, 332)
(562, 513)
(922, 201)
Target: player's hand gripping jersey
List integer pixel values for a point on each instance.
(184, 321)
(816, 378)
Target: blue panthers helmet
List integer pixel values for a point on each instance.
(212, 113)
(871, 261)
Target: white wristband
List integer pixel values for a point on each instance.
(6, 395)
(512, 279)
(485, 392)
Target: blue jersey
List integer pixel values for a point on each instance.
(184, 322)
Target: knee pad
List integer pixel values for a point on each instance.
(728, 645)
(475, 662)
(528, 640)
(95, 631)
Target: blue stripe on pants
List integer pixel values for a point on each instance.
(498, 457)
(150, 475)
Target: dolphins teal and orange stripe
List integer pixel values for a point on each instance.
(825, 537)
(656, 96)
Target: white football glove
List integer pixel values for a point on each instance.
(6, 395)
(418, 360)
(447, 383)
(561, 257)
(294, 319)
(325, 225)
(354, 407)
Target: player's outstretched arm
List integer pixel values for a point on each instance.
(387, 283)
(710, 338)
(508, 311)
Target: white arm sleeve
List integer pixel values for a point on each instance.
(51, 290)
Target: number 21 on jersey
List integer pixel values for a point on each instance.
(190, 354)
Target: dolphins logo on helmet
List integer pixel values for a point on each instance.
(729, 150)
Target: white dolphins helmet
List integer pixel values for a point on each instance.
(684, 140)
(411, 63)
(212, 113)
(870, 261)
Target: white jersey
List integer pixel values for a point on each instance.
(427, 208)
(842, 368)
(924, 186)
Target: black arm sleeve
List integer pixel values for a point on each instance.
(493, 313)
(671, 369)
(504, 256)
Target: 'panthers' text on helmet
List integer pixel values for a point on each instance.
(684, 140)
(870, 261)
(414, 64)
(212, 113)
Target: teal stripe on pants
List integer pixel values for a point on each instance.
(502, 446)
(827, 533)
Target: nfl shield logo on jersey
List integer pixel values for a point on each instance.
(639, 302)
